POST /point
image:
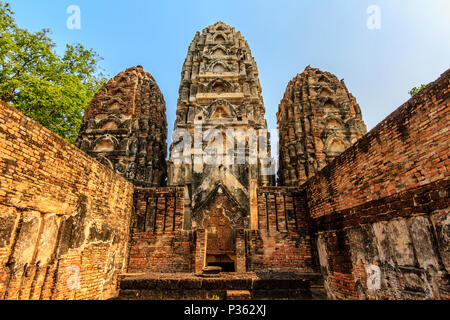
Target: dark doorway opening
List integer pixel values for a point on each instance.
(226, 266)
(226, 262)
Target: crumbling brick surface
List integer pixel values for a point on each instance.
(220, 101)
(125, 128)
(158, 242)
(281, 242)
(64, 217)
(185, 286)
(317, 120)
(380, 211)
(374, 220)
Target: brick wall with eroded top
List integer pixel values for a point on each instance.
(158, 243)
(380, 211)
(64, 217)
(282, 242)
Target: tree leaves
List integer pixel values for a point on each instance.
(51, 89)
(416, 90)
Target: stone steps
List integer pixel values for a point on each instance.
(225, 286)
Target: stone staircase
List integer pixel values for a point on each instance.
(223, 286)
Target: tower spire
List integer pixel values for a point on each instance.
(220, 150)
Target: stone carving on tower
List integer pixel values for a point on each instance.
(318, 119)
(125, 128)
(220, 149)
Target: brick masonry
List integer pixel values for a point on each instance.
(158, 242)
(375, 220)
(64, 217)
(281, 242)
(233, 286)
(380, 211)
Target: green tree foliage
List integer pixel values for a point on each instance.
(415, 90)
(51, 89)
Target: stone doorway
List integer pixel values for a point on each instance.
(220, 241)
(221, 217)
(226, 262)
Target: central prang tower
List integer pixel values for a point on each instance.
(220, 150)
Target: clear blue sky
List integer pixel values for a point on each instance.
(379, 66)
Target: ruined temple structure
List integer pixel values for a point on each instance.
(355, 215)
(318, 119)
(220, 122)
(125, 128)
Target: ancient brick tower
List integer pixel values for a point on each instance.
(317, 119)
(220, 150)
(375, 221)
(125, 128)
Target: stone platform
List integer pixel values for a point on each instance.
(189, 286)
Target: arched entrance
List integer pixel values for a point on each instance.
(220, 243)
(221, 216)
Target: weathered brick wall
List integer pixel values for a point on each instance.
(64, 217)
(380, 211)
(282, 242)
(158, 243)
